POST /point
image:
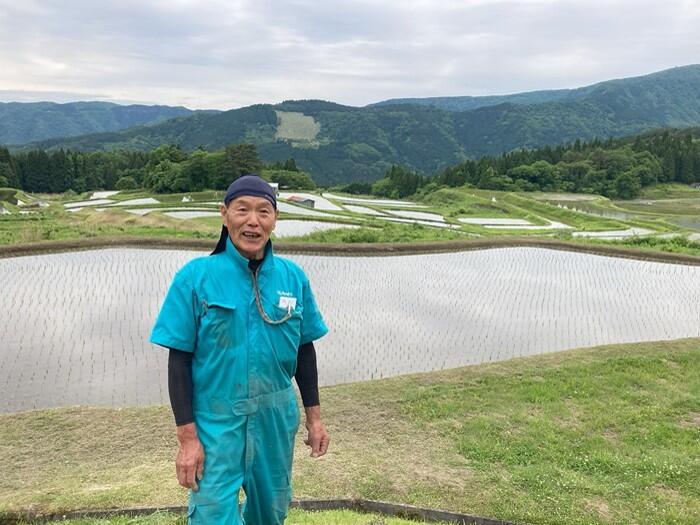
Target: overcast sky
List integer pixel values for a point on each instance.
(226, 54)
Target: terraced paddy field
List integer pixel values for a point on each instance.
(663, 218)
(75, 326)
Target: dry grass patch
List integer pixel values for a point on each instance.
(691, 420)
(600, 508)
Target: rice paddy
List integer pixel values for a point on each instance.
(422, 215)
(293, 228)
(81, 320)
(614, 234)
(378, 202)
(285, 207)
(90, 202)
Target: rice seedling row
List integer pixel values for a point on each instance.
(74, 326)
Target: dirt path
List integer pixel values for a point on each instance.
(354, 250)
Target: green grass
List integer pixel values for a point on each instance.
(295, 517)
(671, 245)
(380, 232)
(577, 220)
(583, 434)
(8, 195)
(594, 436)
(467, 202)
(669, 191)
(48, 225)
(663, 207)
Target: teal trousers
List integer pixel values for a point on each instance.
(249, 445)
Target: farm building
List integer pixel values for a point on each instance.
(303, 201)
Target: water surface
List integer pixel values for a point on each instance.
(74, 326)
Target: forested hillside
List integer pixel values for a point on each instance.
(29, 122)
(617, 168)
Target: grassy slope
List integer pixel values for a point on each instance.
(669, 191)
(594, 436)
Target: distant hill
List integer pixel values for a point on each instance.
(465, 103)
(339, 144)
(29, 122)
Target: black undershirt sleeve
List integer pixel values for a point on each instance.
(180, 385)
(307, 375)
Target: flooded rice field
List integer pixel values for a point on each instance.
(303, 210)
(614, 234)
(513, 224)
(295, 228)
(423, 222)
(362, 209)
(417, 215)
(692, 223)
(192, 214)
(74, 327)
(378, 202)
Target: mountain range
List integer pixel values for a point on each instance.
(338, 143)
(666, 80)
(28, 122)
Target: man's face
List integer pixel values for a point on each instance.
(250, 221)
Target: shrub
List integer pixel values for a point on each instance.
(126, 183)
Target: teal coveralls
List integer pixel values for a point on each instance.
(245, 407)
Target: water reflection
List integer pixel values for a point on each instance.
(592, 209)
(74, 326)
(692, 223)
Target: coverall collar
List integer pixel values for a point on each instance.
(242, 262)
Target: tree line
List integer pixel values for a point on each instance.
(616, 168)
(166, 169)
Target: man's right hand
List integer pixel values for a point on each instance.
(190, 458)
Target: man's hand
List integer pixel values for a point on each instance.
(190, 458)
(317, 438)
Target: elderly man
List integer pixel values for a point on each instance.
(239, 325)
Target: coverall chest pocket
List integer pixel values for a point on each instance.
(287, 335)
(217, 326)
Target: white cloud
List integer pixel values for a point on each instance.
(224, 54)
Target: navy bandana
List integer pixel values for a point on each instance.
(251, 185)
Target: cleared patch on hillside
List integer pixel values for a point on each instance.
(299, 129)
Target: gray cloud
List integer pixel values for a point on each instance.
(223, 54)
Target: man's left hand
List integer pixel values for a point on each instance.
(318, 439)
